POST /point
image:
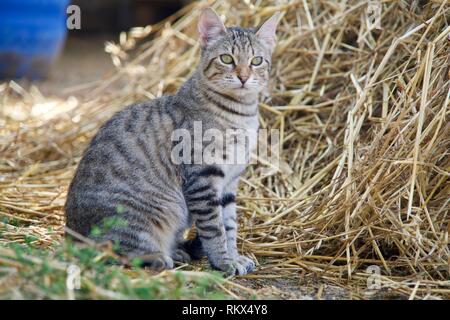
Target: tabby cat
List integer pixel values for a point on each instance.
(127, 170)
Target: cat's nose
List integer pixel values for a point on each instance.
(242, 78)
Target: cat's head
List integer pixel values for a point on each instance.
(234, 60)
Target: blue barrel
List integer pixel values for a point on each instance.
(32, 33)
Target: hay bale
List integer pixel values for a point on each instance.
(364, 121)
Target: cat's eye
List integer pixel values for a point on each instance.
(226, 58)
(256, 61)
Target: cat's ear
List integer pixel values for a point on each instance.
(210, 26)
(267, 32)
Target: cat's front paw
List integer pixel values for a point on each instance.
(247, 265)
(180, 255)
(239, 266)
(226, 266)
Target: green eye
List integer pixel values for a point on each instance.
(226, 58)
(256, 61)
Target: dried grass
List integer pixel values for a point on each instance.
(364, 117)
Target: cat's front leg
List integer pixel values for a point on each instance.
(203, 198)
(228, 202)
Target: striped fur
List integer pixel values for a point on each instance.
(127, 172)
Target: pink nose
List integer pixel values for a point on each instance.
(242, 78)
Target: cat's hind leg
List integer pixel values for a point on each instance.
(147, 237)
(140, 247)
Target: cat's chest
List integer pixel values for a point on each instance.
(237, 141)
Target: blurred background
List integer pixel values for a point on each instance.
(36, 45)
